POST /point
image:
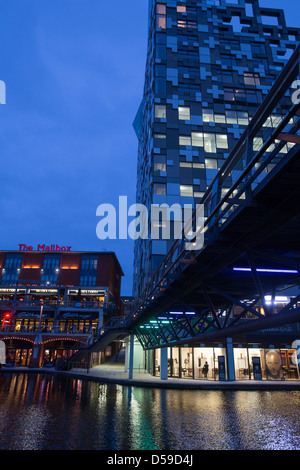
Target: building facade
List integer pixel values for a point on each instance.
(209, 65)
(53, 300)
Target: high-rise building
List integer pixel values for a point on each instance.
(210, 63)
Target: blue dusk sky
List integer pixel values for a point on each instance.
(74, 74)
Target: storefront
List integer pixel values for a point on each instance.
(193, 363)
(265, 364)
(210, 363)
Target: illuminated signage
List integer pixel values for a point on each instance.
(56, 248)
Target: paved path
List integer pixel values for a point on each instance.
(115, 373)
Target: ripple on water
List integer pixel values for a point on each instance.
(48, 412)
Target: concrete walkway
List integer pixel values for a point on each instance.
(115, 373)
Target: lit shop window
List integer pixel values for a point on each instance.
(160, 189)
(184, 113)
(251, 78)
(186, 190)
(160, 111)
(161, 16)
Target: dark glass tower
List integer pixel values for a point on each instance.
(210, 64)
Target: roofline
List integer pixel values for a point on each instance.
(69, 253)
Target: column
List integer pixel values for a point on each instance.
(126, 353)
(164, 363)
(131, 356)
(100, 319)
(230, 360)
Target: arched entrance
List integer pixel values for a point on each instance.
(18, 351)
(58, 350)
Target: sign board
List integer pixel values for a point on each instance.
(52, 248)
(256, 368)
(221, 362)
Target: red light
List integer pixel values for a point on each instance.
(7, 315)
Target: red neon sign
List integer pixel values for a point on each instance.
(56, 248)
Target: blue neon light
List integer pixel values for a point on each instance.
(269, 270)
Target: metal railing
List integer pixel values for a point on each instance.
(27, 329)
(55, 304)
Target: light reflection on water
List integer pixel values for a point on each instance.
(51, 412)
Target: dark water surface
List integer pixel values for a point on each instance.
(45, 412)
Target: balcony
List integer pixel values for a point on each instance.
(49, 330)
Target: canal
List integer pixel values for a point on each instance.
(49, 412)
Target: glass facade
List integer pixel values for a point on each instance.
(209, 66)
(193, 363)
(210, 363)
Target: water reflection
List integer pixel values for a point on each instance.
(49, 412)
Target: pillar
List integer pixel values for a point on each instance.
(126, 353)
(131, 356)
(164, 363)
(100, 319)
(230, 360)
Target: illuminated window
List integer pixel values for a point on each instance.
(210, 143)
(257, 143)
(221, 141)
(251, 78)
(186, 24)
(185, 140)
(181, 8)
(197, 139)
(160, 167)
(161, 16)
(231, 117)
(184, 113)
(208, 115)
(160, 111)
(220, 119)
(211, 164)
(186, 190)
(243, 118)
(185, 165)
